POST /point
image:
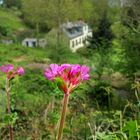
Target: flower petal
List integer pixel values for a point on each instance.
(54, 68)
(63, 67)
(48, 74)
(20, 71)
(7, 68)
(75, 69)
(84, 72)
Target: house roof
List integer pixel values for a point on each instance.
(30, 40)
(73, 30)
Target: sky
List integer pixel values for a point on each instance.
(1, 1)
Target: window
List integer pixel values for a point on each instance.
(80, 41)
(27, 44)
(84, 39)
(76, 42)
(73, 44)
(34, 44)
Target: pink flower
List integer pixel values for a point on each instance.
(75, 69)
(63, 67)
(54, 68)
(7, 68)
(20, 71)
(51, 72)
(10, 71)
(70, 75)
(84, 72)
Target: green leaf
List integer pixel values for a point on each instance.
(59, 81)
(131, 128)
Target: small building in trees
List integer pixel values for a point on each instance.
(6, 41)
(34, 42)
(77, 34)
(29, 42)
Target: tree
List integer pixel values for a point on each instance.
(12, 3)
(34, 14)
(131, 42)
(131, 14)
(85, 10)
(50, 13)
(131, 46)
(58, 12)
(103, 36)
(101, 43)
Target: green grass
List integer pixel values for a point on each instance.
(10, 20)
(22, 55)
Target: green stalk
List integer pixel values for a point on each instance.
(9, 105)
(63, 116)
(121, 117)
(138, 136)
(136, 94)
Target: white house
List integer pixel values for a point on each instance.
(77, 34)
(33, 42)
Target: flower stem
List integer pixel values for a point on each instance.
(63, 116)
(9, 108)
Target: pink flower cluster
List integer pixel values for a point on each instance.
(10, 71)
(70, 75)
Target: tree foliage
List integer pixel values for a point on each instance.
(131, 41)
(103, 36)
(34, 13)
(12, 3)
(131, 14)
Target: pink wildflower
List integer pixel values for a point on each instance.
(54, 68)
(70, 75)
(20, 71)
(7, 68)
(10, 71)
(84, 72)
(51, 73)
(67, 77)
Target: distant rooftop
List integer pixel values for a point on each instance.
(73, 29)
(30, 39)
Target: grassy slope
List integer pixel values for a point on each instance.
(10, 20)
(20, 55)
